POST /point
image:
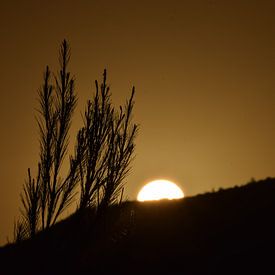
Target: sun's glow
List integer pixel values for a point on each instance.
(160, 189)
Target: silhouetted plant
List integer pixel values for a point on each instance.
(107, 145)
(19, 231)
(31, 203)
(45, 197)
(57, 104)
(56, 114)
(102, 158)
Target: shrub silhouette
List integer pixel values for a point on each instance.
(103, 152)
(46, 196)
(106, 145)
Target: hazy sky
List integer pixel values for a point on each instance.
(203, 71)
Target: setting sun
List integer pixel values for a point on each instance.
(160, 189)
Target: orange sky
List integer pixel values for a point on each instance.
(204, 75)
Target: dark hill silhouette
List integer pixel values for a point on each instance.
(231, 231)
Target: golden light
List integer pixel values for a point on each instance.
(160, 189)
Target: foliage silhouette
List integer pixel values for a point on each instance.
(19, 231)
(103, 152)
(106, 144)
(46, 196)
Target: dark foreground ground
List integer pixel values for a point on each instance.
(231, 231)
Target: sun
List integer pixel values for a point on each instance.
(160, 189)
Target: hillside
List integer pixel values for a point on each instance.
(231, 231)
